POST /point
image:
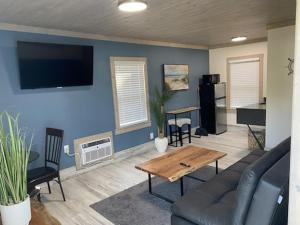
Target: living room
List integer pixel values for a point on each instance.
(135, 85)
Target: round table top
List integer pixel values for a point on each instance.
(33, 155)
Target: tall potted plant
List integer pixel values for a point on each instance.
(157, 107)
(14, 154)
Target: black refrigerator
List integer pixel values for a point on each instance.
(213, 107)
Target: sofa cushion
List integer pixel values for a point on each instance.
(175, 220)
(264, 205)
(250, 179)
(205, 204)
(213, 202)
(241, 165)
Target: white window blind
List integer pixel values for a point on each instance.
(244, 82)
(130, 81)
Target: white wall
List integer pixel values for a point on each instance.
(218, 64)
(294, 193)
(281, 42)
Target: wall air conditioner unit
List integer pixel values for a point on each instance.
(97, 150)
(93, 149)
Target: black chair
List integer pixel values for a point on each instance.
(53, 147)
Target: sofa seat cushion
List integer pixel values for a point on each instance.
(214, 201)
(250, 178)
(264, 205)
(241, 165)
(203, 205)
(250, 158)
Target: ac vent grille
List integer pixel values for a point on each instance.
(96, 150)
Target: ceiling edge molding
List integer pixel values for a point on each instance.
(281, 24)
(251, 41)
(66, 33)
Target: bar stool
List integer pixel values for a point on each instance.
(178, 133)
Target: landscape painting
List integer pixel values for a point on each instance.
(177, 77)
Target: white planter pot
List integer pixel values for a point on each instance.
(161, 144)
(18, 214)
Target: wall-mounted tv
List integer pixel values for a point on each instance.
(43, 65)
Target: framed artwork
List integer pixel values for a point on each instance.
(176, 77)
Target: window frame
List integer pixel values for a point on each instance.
(261, 76)
(138, 126)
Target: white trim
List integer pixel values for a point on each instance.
(256, 59)
(136, 126)
(66, 33)
(118, 156)
(236, 44)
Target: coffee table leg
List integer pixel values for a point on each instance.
(149, 182)
(217, 167)
(181, 186)
(158, 195)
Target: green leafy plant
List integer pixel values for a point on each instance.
(157, 107)
(14, 155)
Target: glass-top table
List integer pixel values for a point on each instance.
(33, 155)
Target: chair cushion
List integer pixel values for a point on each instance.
(41, 175)
(180, 121)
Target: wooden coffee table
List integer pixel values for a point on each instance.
(180, 163)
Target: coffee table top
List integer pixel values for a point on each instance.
(176, 164)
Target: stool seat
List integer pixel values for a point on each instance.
(180, 122)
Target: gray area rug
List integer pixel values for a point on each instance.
(135, 206)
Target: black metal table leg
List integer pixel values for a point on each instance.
(156, 194)
(149, 183)
(195, 178)
(217, 167)
(177, 132)
(181, 186)
(256, 139)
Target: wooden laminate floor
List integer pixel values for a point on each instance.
(95, 185)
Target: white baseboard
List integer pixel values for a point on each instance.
(118, 156)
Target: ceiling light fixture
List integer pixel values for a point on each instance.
(238, 39)
(132, 5)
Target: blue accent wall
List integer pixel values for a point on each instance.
(84, 111)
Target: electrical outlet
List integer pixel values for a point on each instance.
(151, 136)
(67, 149)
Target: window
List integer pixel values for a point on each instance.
(245, 76)
(130, 90)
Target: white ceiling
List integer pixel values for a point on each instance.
(195, 22)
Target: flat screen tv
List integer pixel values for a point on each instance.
(44, 65)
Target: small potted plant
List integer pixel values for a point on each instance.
(157, 108)
(14, 153)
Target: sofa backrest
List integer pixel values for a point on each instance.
(250, 178)
(269, 205)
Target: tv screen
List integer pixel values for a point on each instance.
(54, 65)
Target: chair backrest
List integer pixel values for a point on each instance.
(53, 146)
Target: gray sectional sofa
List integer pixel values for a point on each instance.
(253, 191)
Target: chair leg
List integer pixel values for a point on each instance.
(49, 189)
(190, 133)
(61, 189)
(180, 136)
(171, 134)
